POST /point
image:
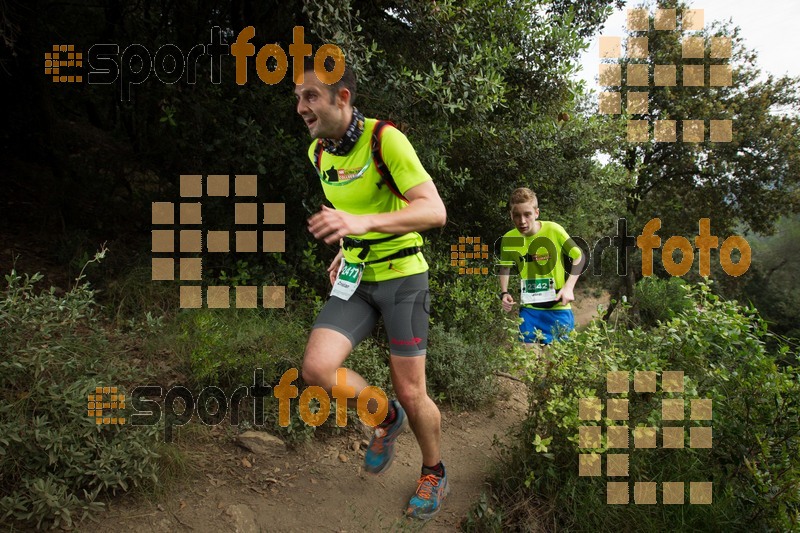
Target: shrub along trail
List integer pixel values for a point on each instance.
(321, 485)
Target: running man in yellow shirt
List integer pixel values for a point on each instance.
(382, 198)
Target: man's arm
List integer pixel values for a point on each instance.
(567, 294)
(425, 210)
(503, 274)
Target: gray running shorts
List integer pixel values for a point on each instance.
(404, 304)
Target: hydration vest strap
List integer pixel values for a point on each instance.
(349, 243)
(405, 252)
(386, 179)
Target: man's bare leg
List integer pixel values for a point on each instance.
(326, 352)
(408, 379)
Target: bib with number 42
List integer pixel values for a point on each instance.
(347, 279)
(534, 291)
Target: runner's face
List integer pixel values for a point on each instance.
(324, 118)
(524, 217)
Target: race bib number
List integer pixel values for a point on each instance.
(534, 291)
(347, 279)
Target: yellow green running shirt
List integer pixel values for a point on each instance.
(514, 246)
(357, 192)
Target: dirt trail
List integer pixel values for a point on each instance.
(322, 486)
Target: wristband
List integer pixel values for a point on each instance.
(503, 294)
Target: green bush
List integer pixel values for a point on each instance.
(660, 299)
(135, 294)
(466, 303)
(458, 371)
(224, 347)
(753, 463)
(468, 329)
(54, 460)
(773, 281)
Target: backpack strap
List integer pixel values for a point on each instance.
(318, 156)
(380, 165)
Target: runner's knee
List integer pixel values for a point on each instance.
(325, 352)
(411, 396)
(316, 372)
(317, 369)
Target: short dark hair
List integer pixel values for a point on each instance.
(348, 80)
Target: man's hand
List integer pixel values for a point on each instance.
(334, 268)
(331, 225)
(508, 301)
(565, 296)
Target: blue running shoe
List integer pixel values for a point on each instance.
(380, 452)
(431, 492)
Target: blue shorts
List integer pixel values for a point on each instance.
(553, 323)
